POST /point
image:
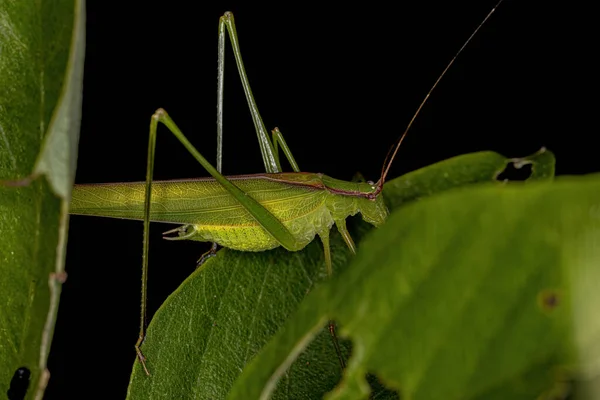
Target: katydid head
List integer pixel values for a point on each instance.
(373, 211)
(354, 197)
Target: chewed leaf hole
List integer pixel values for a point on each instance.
(19, 384)
(520, 172)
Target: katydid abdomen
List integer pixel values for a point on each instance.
(306, 203)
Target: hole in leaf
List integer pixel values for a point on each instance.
(548, 300)
(513, 173)
(19, 384)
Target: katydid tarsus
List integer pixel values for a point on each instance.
(245, 212)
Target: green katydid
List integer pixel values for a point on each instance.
(246, 212)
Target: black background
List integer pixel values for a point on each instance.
(340, 82)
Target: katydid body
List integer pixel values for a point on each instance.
(307, 204)
(246, 212)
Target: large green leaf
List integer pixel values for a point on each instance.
(41, 70)
(212, 326)
(479, 293)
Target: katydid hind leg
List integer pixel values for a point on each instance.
(267, 220)
(327, 252)
(268, 148)
(227, 22)
(146, 238)
(264, 217)
(220, 94)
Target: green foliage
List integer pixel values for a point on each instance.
(41, 68)
(231, 307)
(478, 293)
(473, 289)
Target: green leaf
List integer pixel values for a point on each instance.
(218, 319)
(467, 169)
(478, 293)
(207, 331)
(41, 68)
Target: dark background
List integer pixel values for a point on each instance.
(341, 84)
